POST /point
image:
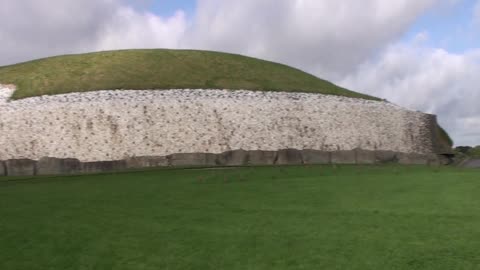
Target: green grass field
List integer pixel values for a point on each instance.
(350, 217)
(160, 69)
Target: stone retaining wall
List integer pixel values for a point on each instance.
(56, 166)
(122, 125)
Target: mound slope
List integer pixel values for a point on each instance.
(197, 119)
(160, 69)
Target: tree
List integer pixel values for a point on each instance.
(463, 149)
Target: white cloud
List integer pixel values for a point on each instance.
(132, 29)
(427, 79)
(33, 28)
(39, 28)
(328, 37)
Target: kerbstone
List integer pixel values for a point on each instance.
(446, 159)
(343, 157)
(412, 159)
(233, 158)
(2, 168)
(258, 157)
(211, 159)
(57, 166)
(146, 162)
(289, 157)
(316, 157)
(104, 166)
(192, 159)
(365, 156)
(437, 160)
(21, 167)
(382, 157)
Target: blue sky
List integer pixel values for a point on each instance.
(167, 8)
(449, 26)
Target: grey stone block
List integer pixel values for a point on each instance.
(446, 159)
(20, 167)
(233, 158)
(192, 159)
(211, 159)
(343, 157)
(258, 157)
(104, 166)
(382, 157)
(146, 162)
(57, 166)
(2, 168)
(437, 160)
(365, 156)
(289, 157)
(316, 157)
(412, 159)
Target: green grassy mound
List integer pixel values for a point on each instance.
(344, 217)
(160, 69)
(163, 69)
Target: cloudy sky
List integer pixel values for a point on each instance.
(421, 54)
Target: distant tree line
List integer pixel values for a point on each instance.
(468, 151)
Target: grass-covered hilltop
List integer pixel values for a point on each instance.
(160, 69)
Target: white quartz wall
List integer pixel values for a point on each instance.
(112, 125)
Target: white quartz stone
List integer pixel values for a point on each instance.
(112, 125)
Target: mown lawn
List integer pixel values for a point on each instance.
(246, 218)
